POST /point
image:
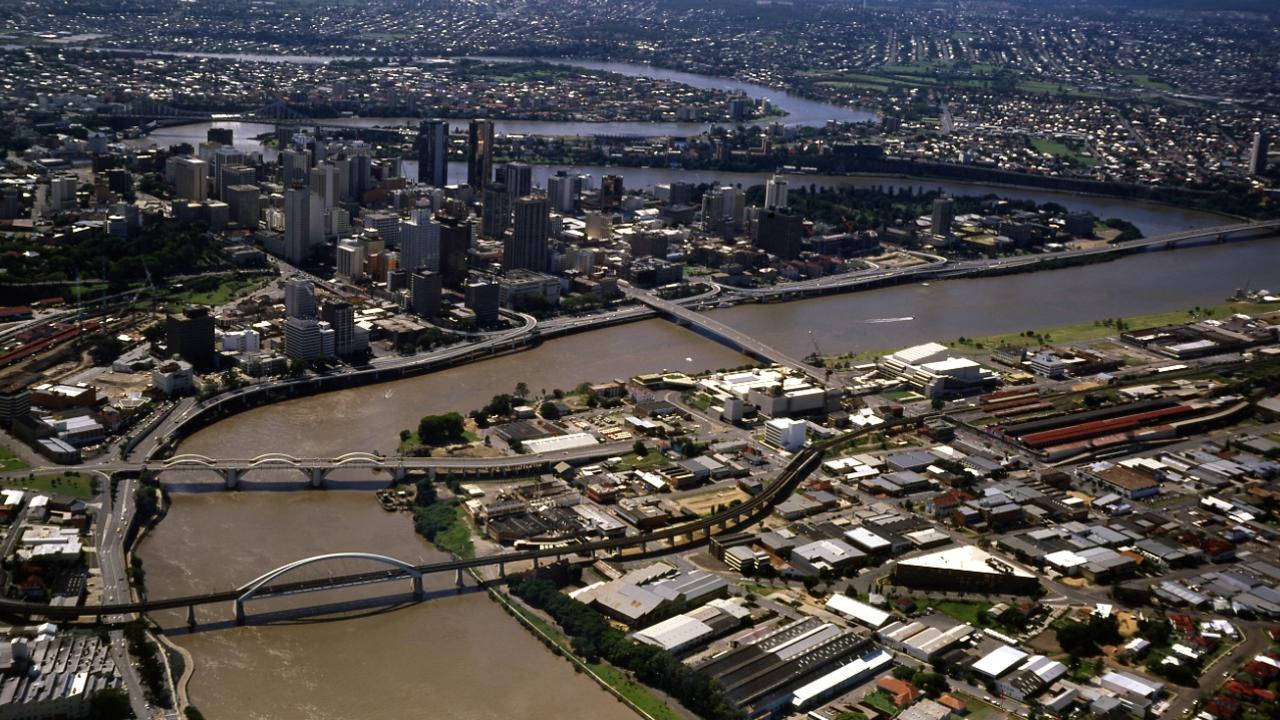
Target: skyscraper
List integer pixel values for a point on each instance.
(775, 193)
(192, 179)
(527, 246)
(294, 165)
(519, 179)
(479, 153)
(303, 224)
(433, 152)
(299, 298)
(424, 292)
(944, 211)
(1258, 153)
(495, 211)
(420, 241)
(455, 243)
(347, 338)
(611, 192)
(322, 180)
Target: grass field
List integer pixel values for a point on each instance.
(632, 461)
(10, 462)
(68, 483)
(963, 611)
(1059, 149)
(203, 291)
(881, 702)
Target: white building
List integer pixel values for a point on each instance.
(785, 433)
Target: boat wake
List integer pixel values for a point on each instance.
(890, 320)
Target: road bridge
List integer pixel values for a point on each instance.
(646, 544)
(316, 470)
(726, 335)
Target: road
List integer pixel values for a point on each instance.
(113, 520)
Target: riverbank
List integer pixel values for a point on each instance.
(1066, 334)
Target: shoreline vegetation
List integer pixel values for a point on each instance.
(1075, 332)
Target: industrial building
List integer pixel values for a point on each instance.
(965, 567)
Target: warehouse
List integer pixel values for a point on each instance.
(964, 568)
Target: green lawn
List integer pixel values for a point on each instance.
(1062, 150)
(1087, 670)
(881, 702)
(9, 461)
(215, 290)
(68, 483)
(963, 611)
(1146, 82)
(635, 462)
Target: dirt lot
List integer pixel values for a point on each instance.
(704, 503)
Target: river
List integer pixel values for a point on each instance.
(459, 650)
(457, 654)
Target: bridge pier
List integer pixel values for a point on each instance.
(502, 570)
(317, 477)
(417, 587)
(239, 607)
(191, 616)
(431, 474)
(535, 563)
(399, 473)
(458, 578)
(232, 478)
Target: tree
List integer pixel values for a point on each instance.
(110, 704)
(639, 448)
(549, 411)
(441, 429)
(193, 714)
(522, 390)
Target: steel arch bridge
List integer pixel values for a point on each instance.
(400, 568)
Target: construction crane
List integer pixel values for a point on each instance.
(815, 357)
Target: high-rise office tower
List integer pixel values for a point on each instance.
(775, 193)
(192, 179)
(420, 241)
(294, 165)
(611, 192)
(299, 298)
(347, 338)
(481, 297)
(244, 203)
(455, 243)
(495, 211)
(424, 292)
(527, 246)
(944, 211)
(564, 191)
(322, 180)
(191, 336)
(433, 152)
(479, 153)
(519, 179)
(303, 224)
(1258, 153)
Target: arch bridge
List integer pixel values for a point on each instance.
(262, 586)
